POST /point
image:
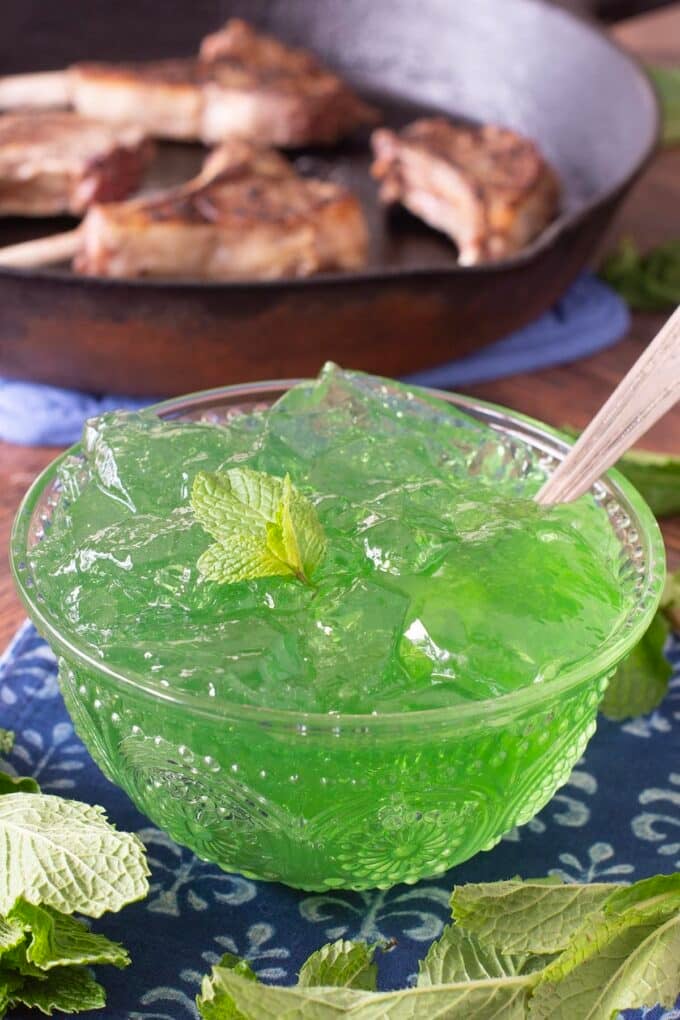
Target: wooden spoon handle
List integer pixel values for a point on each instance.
(645, 393)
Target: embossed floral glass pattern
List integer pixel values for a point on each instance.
(346, 801)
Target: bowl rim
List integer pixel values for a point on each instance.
(458, 716)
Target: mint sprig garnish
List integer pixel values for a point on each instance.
(262, 526)
(517, 950)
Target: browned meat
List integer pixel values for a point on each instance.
(239, 158)
(58, 162)
(244, 85)
(277, 107)
(487, 187)
(247, 215)
(237, 40)
(164, 97)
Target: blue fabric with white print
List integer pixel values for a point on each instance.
(617, 819)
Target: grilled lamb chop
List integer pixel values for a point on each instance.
(244, 84)
(487, 187)
(57, 162)
(247, 215)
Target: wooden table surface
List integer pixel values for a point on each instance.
(568, 395)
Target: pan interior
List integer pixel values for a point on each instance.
(522, 64)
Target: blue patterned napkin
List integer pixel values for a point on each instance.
(617, 819)
(589, 317)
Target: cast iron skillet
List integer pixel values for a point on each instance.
(520, 63)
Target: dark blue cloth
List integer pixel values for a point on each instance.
(617, 819)
(589, 317)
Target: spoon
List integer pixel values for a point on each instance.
(646, 392)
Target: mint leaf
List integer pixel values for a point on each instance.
(17, 784)
(235, 502)
(641, 681)
(297, 532)
(11, 936)
(619, 963)
(9, 983)
(251, 999)
(342, 964)
(261, 524)
(658, 895)
(459, 956)
(12, 784)
(670, 600)
(527, 917)
(243, 559)
(64, 854)
(656, 476)
(58, 939)
(17, 961)
(666, 81)
(649, 282)
(215, 1002)
(328, 988)
(611, 947)
(481, 1000)
(66, 989)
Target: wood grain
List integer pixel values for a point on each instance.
(566, 395)
(642, 398)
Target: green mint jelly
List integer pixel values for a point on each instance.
(442, 582)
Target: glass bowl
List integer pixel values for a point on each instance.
(321, 801)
